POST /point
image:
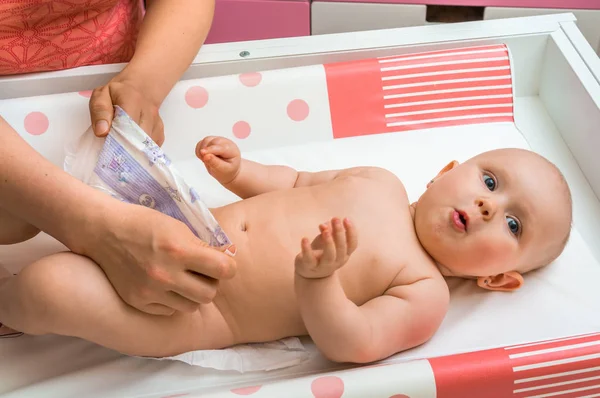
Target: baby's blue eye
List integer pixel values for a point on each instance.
(489, 182)
(513, 225)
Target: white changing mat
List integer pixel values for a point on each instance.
(555, 302)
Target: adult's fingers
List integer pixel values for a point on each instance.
(158, 309)
(158, 131)
(101, 111)
(196, 288)
(130, 104)
(208, 261)
(146, 121)
(179, 303)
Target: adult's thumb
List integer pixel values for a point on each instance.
(101, 111)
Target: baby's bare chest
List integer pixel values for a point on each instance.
(275, 224)
(380, 213)
(272, 226)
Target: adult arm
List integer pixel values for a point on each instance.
(154, 262)
(170, 37)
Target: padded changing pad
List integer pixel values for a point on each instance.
(556, 302)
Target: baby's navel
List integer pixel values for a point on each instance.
(243, 227)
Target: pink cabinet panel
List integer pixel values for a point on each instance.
(241, 20)
(570, 4)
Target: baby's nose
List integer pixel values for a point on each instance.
(486, 207)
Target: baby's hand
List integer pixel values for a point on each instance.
(329, 251)
(221, 157)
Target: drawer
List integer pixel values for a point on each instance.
(338, 17)
(242, 20)
(588, 21)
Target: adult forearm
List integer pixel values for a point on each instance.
(170, 37)
(35, 190)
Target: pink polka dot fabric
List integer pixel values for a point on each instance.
(251, 79)
(328, 387)
(36, 123)
(196, 97)
(298, 110)
(246, 390)
(241, 129)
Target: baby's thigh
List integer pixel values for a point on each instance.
(81, 302)
(51, 291)
(70, 295)
(61, 284)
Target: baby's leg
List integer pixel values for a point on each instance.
(14, 230)
(6, 332)
(68, 294)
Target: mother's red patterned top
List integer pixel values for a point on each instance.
(43, 35)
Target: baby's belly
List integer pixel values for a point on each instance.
(259, 303)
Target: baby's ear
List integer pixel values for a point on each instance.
(506, 282)
(446, 169)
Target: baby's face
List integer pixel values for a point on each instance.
(501, 211)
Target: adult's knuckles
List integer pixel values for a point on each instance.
(175, 251)
(159, 274)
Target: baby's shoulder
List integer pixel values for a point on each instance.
(379, 174)
(373, 178)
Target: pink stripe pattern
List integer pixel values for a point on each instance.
(420, 91)
(567, 367)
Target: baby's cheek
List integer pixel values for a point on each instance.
(495, 254)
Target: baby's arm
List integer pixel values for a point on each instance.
(247, 178)
(402, 318)
(256, 178)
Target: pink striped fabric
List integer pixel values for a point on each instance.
(419, 91)
(565, 368)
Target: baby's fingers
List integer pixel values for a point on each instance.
(351, 236)
(213, 162)
(339, 238)
(329, 251)
(214, 149)
(202, 145)
(308, 257)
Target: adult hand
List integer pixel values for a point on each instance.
(154, 262)
(132, 100)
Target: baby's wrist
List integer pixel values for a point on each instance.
(230, 180)
(300, 275)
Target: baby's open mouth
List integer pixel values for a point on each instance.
(460, 219)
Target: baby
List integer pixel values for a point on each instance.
(339, 255)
